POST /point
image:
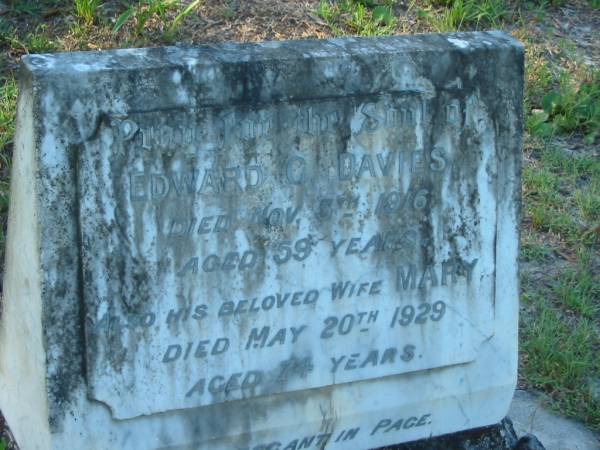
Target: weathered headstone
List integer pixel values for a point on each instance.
(277, 246)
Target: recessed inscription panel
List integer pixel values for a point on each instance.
(249, 251)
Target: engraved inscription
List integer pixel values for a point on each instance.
(287, 247)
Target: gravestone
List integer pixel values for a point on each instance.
(283, 245)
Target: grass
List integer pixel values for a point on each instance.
(183, 14)
(457, 15)
(560, 346)
(35, 41)
(578, 289)
(8, 101)
(560, 337)
(146, 11)
(562, 194)
(563, 96)
(26, 7)
(362, 18)
(561, 357)
(533, 249)
(538, 73)
(575, 106)
(87, 10)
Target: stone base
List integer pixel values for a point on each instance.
(501, 436)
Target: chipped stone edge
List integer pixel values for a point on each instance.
(24, 366)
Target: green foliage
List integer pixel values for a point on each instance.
(227, 12)
(2, 444)
(572, 168)
(183, 14)
(587, 201)
(578, 289)
(541, 185)
(143, 12)
(35, 41)
(327, 11)
(538, 76)
(86, 10)
(27, 7)
(38, 42)
(562, 196)
(571, 107)
(8, 105)
(558, 352)
(532, 249)
(123, 18)
(537, 124)
(459, 15)
(560, 357)
(545, 3)
(361, 17)
(559, 339)
(557, 221)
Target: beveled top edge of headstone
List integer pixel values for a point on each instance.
(78, 63)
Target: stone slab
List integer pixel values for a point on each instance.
(277, 245)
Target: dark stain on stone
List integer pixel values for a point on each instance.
(133, 85)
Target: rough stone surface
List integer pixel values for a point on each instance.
(529, 415)
(276, 246)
